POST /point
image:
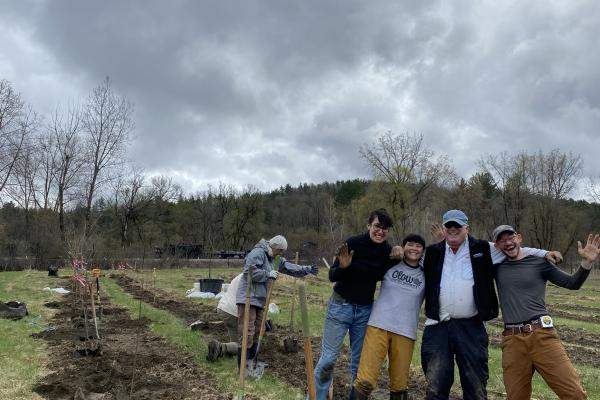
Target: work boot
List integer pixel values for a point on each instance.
(357, 395)
(401, 395)
(229, 349)
(214, 351)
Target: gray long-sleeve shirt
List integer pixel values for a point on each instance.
(522, 286)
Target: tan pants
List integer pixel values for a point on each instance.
(255, 317)
(540, 351)
(231, 323)
(379, 343)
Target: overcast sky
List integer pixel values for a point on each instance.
(275, 92)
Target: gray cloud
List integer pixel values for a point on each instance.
(268, 93)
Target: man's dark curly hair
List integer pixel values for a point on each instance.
(382, 215)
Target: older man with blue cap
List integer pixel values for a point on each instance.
(459, 297)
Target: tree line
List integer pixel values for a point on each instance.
(68, 190)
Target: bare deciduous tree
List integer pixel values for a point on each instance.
(532, 186)
(409, 166)
(551, 178)
(509, 175)
(17, 121)
(107, 123)
(244, 216)
(129, 200)
(163, 188)
(65, 132)
(593, 188)
(47, 153)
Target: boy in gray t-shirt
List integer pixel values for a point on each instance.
(392, 327)
(529, 341)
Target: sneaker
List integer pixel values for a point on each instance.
(214, 351)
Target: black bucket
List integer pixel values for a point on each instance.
(210, 285)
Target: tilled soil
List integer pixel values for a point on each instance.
(287, 367)
(579, 307)
(133, 364)
(571, 315)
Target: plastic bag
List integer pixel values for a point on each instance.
(273, 308)
(59, 290)
(201, 295)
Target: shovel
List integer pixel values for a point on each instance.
(257, 368)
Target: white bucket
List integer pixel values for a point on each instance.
(196, 286)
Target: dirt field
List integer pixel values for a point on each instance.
(138, 362)
(290, 367)
(133, 364)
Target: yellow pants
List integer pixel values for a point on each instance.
(377, 344)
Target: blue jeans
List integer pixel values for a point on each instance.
(463, 339)
(341, 318)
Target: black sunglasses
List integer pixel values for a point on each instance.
(452, 224)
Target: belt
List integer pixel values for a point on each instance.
(527, 327)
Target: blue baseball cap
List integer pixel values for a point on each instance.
(455, 216)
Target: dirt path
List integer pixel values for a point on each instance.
(159, 370)
(290, 368)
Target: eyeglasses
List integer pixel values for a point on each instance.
(452, 224)
(379, 227)
(507, 239)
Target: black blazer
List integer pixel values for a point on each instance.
(484, 291)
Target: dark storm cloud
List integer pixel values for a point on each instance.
(268, 93)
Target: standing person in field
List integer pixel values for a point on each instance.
(266, 262)
(529, 341)
(459, 297)
(361, 262)
(392, 327)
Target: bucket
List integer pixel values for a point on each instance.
(210, 285)
(196, 286)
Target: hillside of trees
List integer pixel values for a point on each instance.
(68, 190)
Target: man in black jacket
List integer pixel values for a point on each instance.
(361, 262)
(459, 297)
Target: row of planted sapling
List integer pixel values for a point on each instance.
(86, 308)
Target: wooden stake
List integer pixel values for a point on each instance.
(293, 307)
(307, 341)
(94, 312)
(154, 284)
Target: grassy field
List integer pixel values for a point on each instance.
(23, 358)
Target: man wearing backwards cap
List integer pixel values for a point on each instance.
(266, 261)
(459, 297)
(529, 341)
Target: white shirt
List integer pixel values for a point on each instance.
(227, 302)
(456, 285)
